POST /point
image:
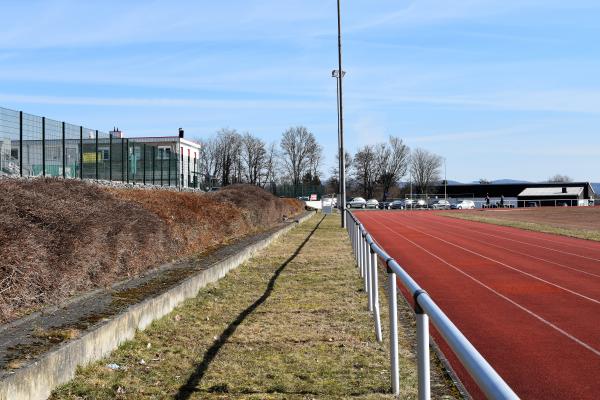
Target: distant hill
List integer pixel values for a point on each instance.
(500, 181)
(509, 181)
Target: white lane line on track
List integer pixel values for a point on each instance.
(533, 314)
(509, 250)
(541, 234)
(537, 245)
(507, 266)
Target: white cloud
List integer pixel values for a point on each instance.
(162, 102)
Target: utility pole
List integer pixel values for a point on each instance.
(342, 157)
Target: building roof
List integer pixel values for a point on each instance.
(506, 189)
(151, 139)
(551, 191)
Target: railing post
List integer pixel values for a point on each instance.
(359, 255)
(354, 238)
(362, 257)
(368, 273)
(364, 265)
(393, 317)
(376, 315)
(423, 370)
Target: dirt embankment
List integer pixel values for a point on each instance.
(59, 238)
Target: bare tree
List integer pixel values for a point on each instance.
(228, 150)
(315, 159)
(210, 161)
(425, 169)
(393, 159)
(335, 173)
(298, 148)
(366, 170)
(271, 165)
(253, 156)
(560, 179)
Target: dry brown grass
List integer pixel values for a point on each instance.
(59, 238)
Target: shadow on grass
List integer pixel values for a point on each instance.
(186, 390)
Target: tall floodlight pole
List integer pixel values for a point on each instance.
(341, 120)
(335, 74)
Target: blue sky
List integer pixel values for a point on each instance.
(501, 89)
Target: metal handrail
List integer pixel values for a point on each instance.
(366, 251)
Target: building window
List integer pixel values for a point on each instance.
(164, 152)
(104, 154)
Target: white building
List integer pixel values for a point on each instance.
(187, 151)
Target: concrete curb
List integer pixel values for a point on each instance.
(58, 366)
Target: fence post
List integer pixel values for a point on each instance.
(122, 159)
(376, 315)
(153, 163)
(21, 143)
(43, 146)
(97, 154)
(64, 154)
(169, 170)
(127, 157)
(393, 316)
(80, 152)
(144, 163)
(110, 146)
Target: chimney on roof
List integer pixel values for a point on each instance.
(116, 133)
(564, 190)
(181, 133)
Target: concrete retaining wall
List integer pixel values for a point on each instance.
(58, 366)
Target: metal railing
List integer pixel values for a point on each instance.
(366, 252)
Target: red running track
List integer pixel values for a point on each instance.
(528, 301)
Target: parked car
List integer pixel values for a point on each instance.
(372, 203)
(384, 205)
(421, 203)
(410, 203)
(303, 198)
(441, 205)
(466, 205)
(397, 205)
(357, 202)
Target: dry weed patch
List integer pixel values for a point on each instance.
(63, 237)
